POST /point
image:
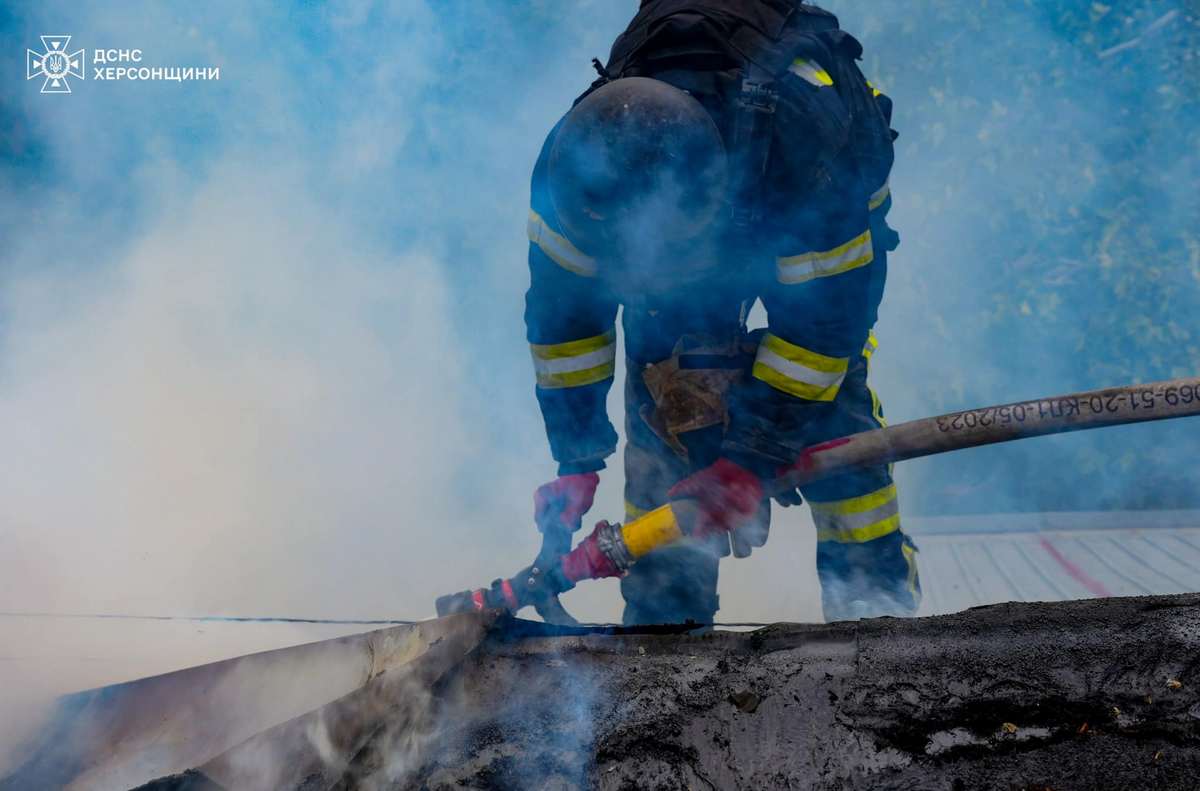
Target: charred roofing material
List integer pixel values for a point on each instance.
(1070, 695)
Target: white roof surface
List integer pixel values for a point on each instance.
(974, 560)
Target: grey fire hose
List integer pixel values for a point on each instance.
(611, 549)
(1114, 406)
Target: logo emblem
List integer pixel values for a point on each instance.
(55, 64)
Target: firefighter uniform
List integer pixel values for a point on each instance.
(698, 385)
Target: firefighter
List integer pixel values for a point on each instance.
(730, 151)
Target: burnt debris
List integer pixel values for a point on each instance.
(1098, 694)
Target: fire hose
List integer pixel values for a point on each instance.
(611, 549)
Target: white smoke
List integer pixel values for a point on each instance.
(261, 338)
(261, 347)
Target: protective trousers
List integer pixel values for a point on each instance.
(678, 583)
(866, 565)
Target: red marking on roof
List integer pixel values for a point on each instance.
(1094, 587)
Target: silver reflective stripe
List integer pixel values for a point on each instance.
(872, 344)
(797, 272)
(798, 372)
(576, 363)
(810, 72)
(559, 248)
(858, 519)
(796, 269)
(879, 197)
(852, 523)
(582, 362)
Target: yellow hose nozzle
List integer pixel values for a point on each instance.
(651, 531)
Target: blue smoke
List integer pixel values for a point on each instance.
(1045, 194)
(261, 346)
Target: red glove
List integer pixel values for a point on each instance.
(727, 493)
(564, 500)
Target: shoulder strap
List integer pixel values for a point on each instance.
(765, 59)
(750, 148)
(754, 22)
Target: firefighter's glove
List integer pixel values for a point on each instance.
(562, 503)
(726, 494)
(789, 497)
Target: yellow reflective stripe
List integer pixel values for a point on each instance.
(872, 344)
(858, 519)
(798, 371)
(869, 349)
(877, 409)
(811, 72)
(795, 269)
(880, 195)
(874, 91)
(858, 505)
(575, 363)
(860, 535)
(559, 248)
(910, 557)
(805, 357)
(575, 378)
(557, 351)
(766, 373)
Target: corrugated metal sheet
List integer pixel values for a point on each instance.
(973, 560)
